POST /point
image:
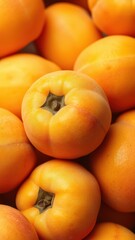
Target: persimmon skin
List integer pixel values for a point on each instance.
(113, 164)
(127, 117)
(17, 155)
(78, 127)
(17, 73)
(113, 17)
(14, 226)
(110, 231)
(76, 202)
(64, 34)
(111, 62)
(19, 24)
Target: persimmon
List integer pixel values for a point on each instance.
(67, 31)
(17, 73)
(113, 17)
(19, 24)
(127, 117)
(14, 226)
(111, 62)
(65, 114)
(17, 155)
(61, 199)
(110, 231)
(113, 164)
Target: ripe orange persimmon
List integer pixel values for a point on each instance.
(67, 31)
(17, 73)
(61, 199)
(111, 62)
(127, 117)
(14, 226)
(114, 17)
(110, 231)
(113, 164)
(20, 23)
(17, 156)
(65, 114)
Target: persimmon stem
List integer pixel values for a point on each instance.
(44, 200)
(53, 103)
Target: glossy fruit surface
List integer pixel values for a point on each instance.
(61, 199)
(17, 73)
(66, 114)
(19, 24)
(110, 231)
(17, 156)
(113, 164)
(67, 31)
(111, 62)
(120, 16)
(14, 226)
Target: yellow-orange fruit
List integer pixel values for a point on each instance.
(110, 231)
(66, 114)
(113, 164)
(114, 17)
(17, 156)
(61, 199)
(67, 31)
(111, 62)
(14, 225)
(20, 23)
(17, 73)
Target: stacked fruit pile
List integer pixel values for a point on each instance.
(67, 120)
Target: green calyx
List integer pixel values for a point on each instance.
(53, 103)
(45, 200)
